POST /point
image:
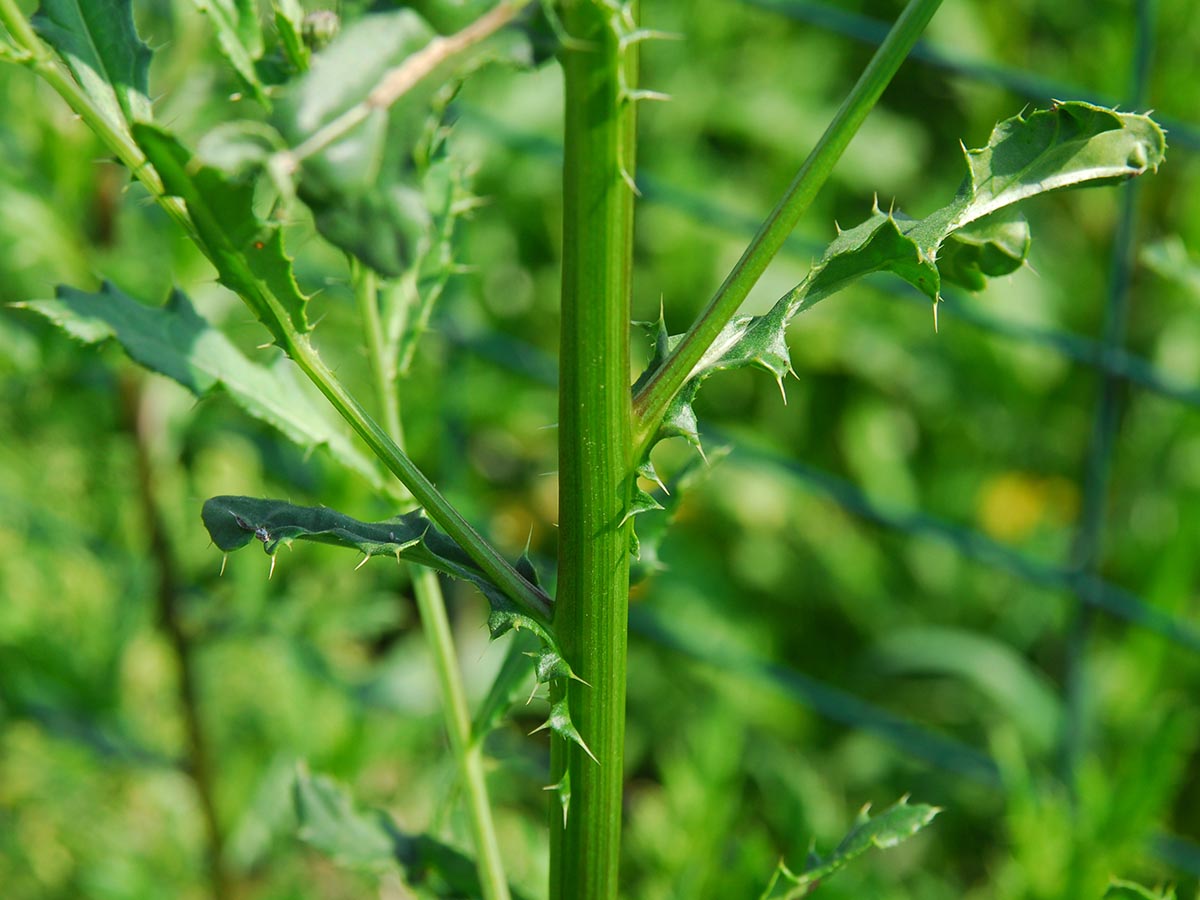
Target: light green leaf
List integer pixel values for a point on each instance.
(99, 44)
(234, 522)
(239, 35)
(1000, 673)
(289, 23)
(894, 825)
(1067, 145)
(975, 237)
(247, 251)
(363, 186)
(331, 822)
(1169, 259)
(175, 341)
(360, 188)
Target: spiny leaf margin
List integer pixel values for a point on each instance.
(233, 522)
(176, 341)
(893, 826)
(978, 235)
(99, 44)
(246, 250)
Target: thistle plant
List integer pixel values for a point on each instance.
(352, 128)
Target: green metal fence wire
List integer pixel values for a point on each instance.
(1024, 84)
(1087, 550)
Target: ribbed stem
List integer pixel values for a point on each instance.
(591, 609)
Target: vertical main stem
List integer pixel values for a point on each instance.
(591, 609)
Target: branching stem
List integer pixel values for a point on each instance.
(652, 401)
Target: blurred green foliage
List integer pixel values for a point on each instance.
(730, 767)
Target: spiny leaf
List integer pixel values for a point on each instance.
(361, 187)
(99, 44)
(234, 522)
(329, 820)
(239, 36)
(652, 529)
(247, 252)
(892, 826)
(174, 340)
(975, 237)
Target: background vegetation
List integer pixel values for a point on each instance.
(877, 590)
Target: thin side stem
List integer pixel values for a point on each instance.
(531, 598)
(651, 403)
(436, 625)
(468, 752)
(595, 461)
(382, 370)
(169, 595)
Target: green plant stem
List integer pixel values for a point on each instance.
(436, 625)
(41, 59)
(595, 461)
(529, 597)
(382, 370)
(652, 401)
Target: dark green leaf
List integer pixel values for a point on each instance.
(234, 522)
(247, 251)
(361, 188)
(99, 44)
(894, 825)
(175, 341)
